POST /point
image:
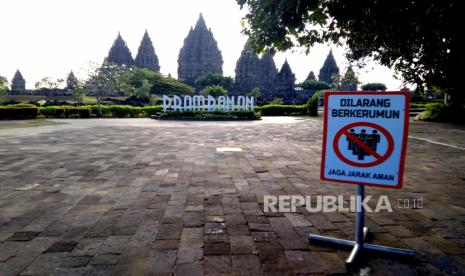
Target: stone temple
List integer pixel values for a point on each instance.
(199, 55)
(146, 57)
(119, 53)
(18, 83)
(329, 69)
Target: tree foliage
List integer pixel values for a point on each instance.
(3, 85)
(314, 85)
(48, 83)
(374, 86)
(71, 81)
(419, 39)
(214, 91)
(215, 79)
(159, 84)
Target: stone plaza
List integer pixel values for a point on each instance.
(147, 197)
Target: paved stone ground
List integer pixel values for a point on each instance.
(142, 197)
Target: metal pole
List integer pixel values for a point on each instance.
(360, 219)
(359, 228)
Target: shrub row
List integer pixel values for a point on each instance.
(216, 115)
(108, 111)
(281, 110)
(439, 112)
(65, 112)
(18, 112)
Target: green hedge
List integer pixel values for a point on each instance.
(281, 110)
(65, 112)
(312, 104)
(108, 111)
(439, 112)
(216, 115)
(18, 112)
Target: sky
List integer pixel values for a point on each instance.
(52, 37)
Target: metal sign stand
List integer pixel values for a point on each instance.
(361, 232)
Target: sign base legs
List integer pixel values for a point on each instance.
(361, 232)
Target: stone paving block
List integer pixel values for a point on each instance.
(87, 247)
(23, 236)
(189, 255)
(45, 264)
(241, 245)
(165, 244)
(217, 265)
(170, 232)
(194, 269)
(16, 264)
(161, 261)
(160, 197)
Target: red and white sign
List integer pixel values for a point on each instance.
(365, 137)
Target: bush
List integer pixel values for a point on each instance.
(152, 110)
(374, 86)
(14, 112)
(123, 111)
(65, 112)
(312, 104)
(439, 112)
(315, 85)
(281, 110)
(216, 115)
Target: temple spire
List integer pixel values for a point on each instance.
(329, 69)
(119, 53)
(199, 55)
(284, 84)
(247, 70)
(18, 83)
(146, 57)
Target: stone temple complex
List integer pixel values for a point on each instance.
(199, 55)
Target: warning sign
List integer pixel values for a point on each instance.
(365, 136)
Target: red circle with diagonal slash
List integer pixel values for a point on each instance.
(379, 158)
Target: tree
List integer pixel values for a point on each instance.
(214, 91)
(160, 85)
(49, 83)
(347, 82)
(314, 85)
(108, 79)
(255, 92)
(374, 86)
(419, 39)
(3, 85)
(215, 79)
(71, 81)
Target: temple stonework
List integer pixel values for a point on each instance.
(283, 84)
(329, 69)
(119, 53)
(146, 57)
(267, 72)
(311, 76)
(247, 71)
(199, 55)
(18, 83)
